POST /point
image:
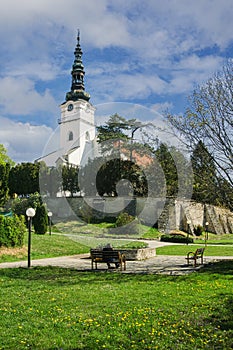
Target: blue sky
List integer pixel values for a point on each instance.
(150, 53)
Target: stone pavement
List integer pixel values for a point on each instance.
(160, 264)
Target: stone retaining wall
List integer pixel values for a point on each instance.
(138, 254)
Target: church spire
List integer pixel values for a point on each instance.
(77, 87)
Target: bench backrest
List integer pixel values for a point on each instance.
(111, 254)
(96, 253)
(199, 251)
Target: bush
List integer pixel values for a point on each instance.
(40, 220)
(176, 238)
(12, 230)
(124, 219)
(198, 230)
(20, 205)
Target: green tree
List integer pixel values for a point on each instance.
(70, 179)
(4, 176)
(24, 179)
(117, 136)
(40, 220)
(5, 164)
(175, 170)
(4, 158)
(50, 179)
(121, 177)
(205, 180)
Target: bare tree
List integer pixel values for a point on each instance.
(209, 119)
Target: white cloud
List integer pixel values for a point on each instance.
(38, 70)
(19, 96)
(23, 141)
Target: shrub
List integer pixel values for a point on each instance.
(20, 205)
(126, 225)
(12, 230)
(176, 238)
(198, 230)
(124, 219)
(40, 220)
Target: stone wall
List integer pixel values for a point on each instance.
(138, 254)
(167, 215)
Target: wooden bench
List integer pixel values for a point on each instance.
(198, 254)
(107, 256)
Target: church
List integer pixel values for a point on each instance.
(77, 121)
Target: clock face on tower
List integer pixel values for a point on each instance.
(70, 107)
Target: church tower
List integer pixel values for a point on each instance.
(77, 125)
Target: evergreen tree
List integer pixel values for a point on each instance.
(4, 175)
(205, 186)
(40, 220)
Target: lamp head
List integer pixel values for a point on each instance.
(30, 212)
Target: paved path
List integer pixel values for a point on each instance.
(163, 264)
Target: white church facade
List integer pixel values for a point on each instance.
(77, 121)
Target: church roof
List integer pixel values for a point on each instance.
(77, 91)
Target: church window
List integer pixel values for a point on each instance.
(71, 136)
(87, 136)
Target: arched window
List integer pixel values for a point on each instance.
(71, 136)
(87, 136)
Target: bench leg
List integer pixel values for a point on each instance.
(195, 262)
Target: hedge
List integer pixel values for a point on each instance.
(12, 230)
(175, 238)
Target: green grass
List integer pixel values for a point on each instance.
(102, 230)
(216, 239)
(45, 246)
(178, 249)
(151, 233)
(53, 309)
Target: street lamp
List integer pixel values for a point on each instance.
(206, 232)
(50, 214)
(188, 223)
(30, 212)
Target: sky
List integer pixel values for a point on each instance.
(147, 53)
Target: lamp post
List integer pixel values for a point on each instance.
(50, 214)
(30, 212)
(188, 223)
(206, 232)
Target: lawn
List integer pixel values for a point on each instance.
(44, 246)
(178, 249)
(53, 308)
(49, 246)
